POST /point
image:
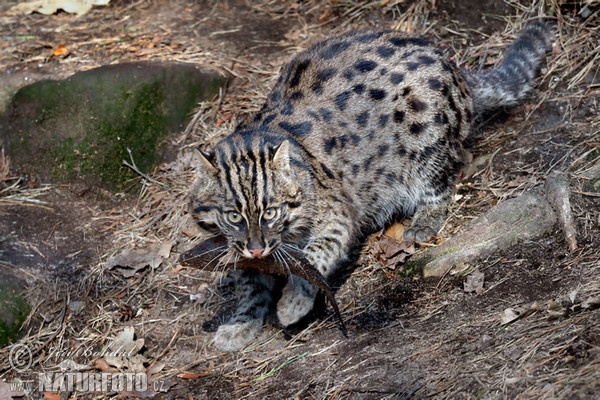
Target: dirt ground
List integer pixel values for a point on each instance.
(408, 338)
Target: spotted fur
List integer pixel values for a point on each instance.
(358, 130)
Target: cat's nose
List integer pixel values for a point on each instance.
(256, 252)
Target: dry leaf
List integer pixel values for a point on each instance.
(591, 302)
(389, 251)
(129, 262)
(474, 282)
(103, 366)
(60, 50)
(396, 231)
(165, 249)
(509, 315)
(51, 396)
(123, 352)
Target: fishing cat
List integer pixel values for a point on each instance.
(358, 130)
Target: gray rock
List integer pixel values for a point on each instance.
(507, 224)
(82, 126)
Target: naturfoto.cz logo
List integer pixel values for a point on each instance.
(92, 382)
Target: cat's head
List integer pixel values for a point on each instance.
(251, 195)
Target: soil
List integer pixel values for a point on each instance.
(408, 338)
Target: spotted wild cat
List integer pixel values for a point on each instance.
(359, 130)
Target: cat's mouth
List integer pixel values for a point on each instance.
(257, 253)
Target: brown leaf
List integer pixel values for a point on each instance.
(474, 282)
(103, 366)
(60, 50)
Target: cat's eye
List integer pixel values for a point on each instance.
(234, 217)
(269, 214)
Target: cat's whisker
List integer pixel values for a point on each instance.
(198, 255)
(282, 261)
(218, 256)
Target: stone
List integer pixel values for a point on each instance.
(85, 125)
(507, 224)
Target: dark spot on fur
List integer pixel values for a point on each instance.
(355, 169)
(401, 42)
(382, 149)
(412, 65)
(327, 171)
(341, 100)
(406, 91)
(434, 84)
(326, 114)
(377, 94)
(368, 37)
(276, 96)
(355, 138)
(365, 65)
(329, 145)
(296, 96)
(287, 108)
(385, 51)
(396, 78)
(398, 116)
(362, 119)
(401, 150)
(348, 74)
(445, 89)
(317, 88)
(367, 163)
(268, 119)
(440, 118)
(300, 68)
(426, 60)
(417, 105)
(383, 120)
(313, 115)
(326, 74)
(300, 129)
(383, 71)
(469, 115)
(359, 89)
(446, 66)
(417, 127)
(334, 49)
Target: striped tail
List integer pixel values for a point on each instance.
(509, 82)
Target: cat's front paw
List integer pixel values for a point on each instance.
(235, 336)
(419, 233)
(297, 299)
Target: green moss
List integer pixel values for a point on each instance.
(83, 126)
(14, 311)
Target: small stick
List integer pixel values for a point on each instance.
(557, 192)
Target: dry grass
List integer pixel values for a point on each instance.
(535, 357)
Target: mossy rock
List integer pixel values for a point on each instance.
(14, 309)
(83, 126)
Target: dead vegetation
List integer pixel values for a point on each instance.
(532, 332)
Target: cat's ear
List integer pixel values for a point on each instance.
(204, 160)
(281, 159)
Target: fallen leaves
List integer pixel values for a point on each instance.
(130, 262)
(389, 248)
(474, 282)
